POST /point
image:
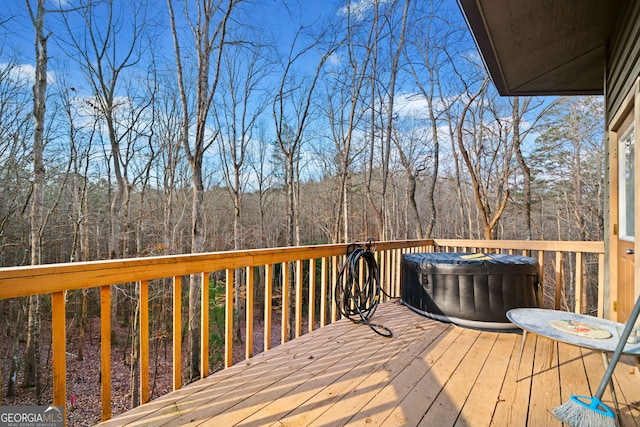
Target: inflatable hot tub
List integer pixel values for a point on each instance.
(469, 289)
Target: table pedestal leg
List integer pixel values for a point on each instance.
(524, 340)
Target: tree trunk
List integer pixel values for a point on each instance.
(32, 354)
(210, 37)
(489, 218)
(83, 324)
(291, 236)
(411, 199)
(195, 282)
(31, 373)
(526, 171)
(15, 361)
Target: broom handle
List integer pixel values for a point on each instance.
(631, 321)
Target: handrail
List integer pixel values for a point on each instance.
(323, 260)
(535, 245)
(41, 279)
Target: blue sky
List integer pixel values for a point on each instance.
(280, 18)
(16, 30)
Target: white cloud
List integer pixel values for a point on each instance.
(25, 73)
(334, 59)
(359, 8)
(411, 105)
(61, 3)
(416, 106)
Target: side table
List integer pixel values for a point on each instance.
(538, 321)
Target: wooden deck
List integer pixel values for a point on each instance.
(428, 374)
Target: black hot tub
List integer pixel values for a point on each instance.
(474, 290)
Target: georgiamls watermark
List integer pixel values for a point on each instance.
(31, 416)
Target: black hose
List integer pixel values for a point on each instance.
(357, 290)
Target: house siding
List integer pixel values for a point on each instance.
(623, 65)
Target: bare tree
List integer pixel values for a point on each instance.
(291, 110)
(209, 26)
(242, 101)
(15, 132)
(415, 158)
(16, 129)
(105, 56)
(567, 151)
(382, 100)
(31, 372)
(433, 36)
(80, 145)
(345, 110)
(172, 167)
(489, 213)
(521, 109)
(263, 187)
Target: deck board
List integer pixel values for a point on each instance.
(484, 397)
(429, 373)
(545, 389)
(445, 409)
(412, 408)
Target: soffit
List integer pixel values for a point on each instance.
(543, 47)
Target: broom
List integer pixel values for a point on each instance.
(584, 411)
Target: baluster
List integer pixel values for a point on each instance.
(177, 332)
(105, 350)
(204, 326)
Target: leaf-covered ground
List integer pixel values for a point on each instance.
(83, 376)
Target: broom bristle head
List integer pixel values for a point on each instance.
(581, 411)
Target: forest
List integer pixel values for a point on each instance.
(140, 128)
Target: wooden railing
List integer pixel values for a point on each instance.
(313, 268)
(558, 251)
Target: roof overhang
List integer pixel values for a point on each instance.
(543, 47)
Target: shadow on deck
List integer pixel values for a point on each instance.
(429, 374)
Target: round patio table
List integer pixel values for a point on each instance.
(539, 321)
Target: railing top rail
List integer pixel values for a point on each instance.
(535, 245)
(41, 279)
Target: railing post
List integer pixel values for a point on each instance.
(177, 332)
(105, 351)
(58, 335)
(204, 326)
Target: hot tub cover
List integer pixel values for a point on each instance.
(470, 289)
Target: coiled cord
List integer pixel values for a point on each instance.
(357, 290)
